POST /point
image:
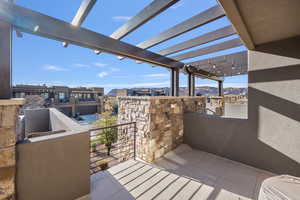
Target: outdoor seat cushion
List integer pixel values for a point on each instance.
(283, 187)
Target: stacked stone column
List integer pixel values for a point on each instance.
(8, 118)
(159, 121)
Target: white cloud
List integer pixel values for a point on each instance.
(156, 75)
(41, 82)
(121, 18)
(81, 65)
(54, 68)
(98, 64)
(102, 74)
(114, 69)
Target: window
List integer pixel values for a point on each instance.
(61, 95)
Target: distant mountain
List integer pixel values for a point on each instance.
(183, 91)
(237, 91)
(207, 90)
(112, 92)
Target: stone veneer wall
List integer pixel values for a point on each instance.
(8, 116)
(159, 121)
(109, 103)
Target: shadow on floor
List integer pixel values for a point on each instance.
(182, 174)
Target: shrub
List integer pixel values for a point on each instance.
(107, 136)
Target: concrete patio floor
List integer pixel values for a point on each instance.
(182, 174)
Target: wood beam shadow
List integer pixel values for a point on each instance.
(285, 73)
(288, 47)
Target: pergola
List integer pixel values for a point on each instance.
(25, 20)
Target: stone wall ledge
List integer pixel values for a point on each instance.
(216, 97)
(12, 102)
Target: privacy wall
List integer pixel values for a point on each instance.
(270, 137)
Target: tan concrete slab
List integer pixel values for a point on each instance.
(182, 174)
(159, 187)
(188, 191)
(141, 179)
(128, 171)
(203, 193)
(173, 189)
(222, 194)
(148, 184)
(126, 179)
(117, 168)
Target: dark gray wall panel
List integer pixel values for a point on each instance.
(86, 110)
(269, 139)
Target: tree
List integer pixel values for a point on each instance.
(107, 136)
(33, 102)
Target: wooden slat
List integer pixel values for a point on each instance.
(227, 65)
(237, 58)
(210, 49)
(153, 9)
(197, 41)
(39, 24)
(225, 69)
(83, 11)
(205, 17)
(35, 23)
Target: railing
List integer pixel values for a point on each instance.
(112, 145)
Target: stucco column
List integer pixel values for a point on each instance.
(8, 119)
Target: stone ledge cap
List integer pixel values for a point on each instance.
(12, 102)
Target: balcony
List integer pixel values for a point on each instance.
(184, 173)
(154, 155)
(175, 150)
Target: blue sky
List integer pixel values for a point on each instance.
(39, 60)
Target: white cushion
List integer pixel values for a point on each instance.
(283, 187)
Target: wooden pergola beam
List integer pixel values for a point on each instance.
(200, 40)
(210, 49)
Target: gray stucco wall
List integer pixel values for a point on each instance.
(53, 167)
(37, 120)
(270, 137)
(59, 121)
(48, 119)
(235, 110)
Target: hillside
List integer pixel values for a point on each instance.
(203, 90)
